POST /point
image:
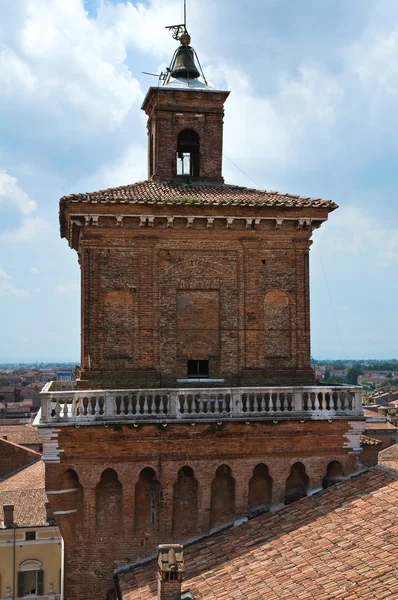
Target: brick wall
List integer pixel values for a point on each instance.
(153, 302)
(133, 489)
(172, 111)
(13, 457)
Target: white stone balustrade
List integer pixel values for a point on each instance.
(162, 405)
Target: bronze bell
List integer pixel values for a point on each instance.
(184, 64)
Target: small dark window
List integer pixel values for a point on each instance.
(198, 368)
(30, 536)
(188, 153)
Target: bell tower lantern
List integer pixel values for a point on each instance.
(185, 121)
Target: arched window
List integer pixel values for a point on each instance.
(30, 579)
(188, 153)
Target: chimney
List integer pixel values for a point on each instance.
(170, 569)
(8, 519)
(49, 514)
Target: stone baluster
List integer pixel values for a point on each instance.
(57, 408)
(64, 409)
(97, 407)
(73, 407)
(146, 405)
(201, 405)
(278, 402)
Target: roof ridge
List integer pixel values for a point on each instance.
(19, 446)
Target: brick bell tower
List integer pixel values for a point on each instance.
(196, 405)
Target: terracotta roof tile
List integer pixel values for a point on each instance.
(379, 426)
(151, 192)
(20, 434)
(26, 491)
(338, 544)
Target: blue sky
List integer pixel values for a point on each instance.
(313, 111)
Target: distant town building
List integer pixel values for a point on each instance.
(30, 541)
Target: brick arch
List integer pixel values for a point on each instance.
(222, 505)
(185, 504)
(297, 483)
(147, 503)
(260, 490)
(277, 324)
(72, 501)
(108, 496)
(334, 474)
(187, 128)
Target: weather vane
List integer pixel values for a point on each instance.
(180, 30)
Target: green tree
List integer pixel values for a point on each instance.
(352, 375)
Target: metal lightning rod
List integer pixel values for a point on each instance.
(185, 14)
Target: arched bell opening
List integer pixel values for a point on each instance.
(334, 474)
(185, 504)
(296, 484)
(260, 490)
(188, 153)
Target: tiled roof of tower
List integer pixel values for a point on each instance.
(340, 543)
(151, 192)
(26, 491)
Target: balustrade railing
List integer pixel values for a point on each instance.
(201, 403)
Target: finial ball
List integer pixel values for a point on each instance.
(185, 39)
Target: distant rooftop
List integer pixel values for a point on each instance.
(26, 491)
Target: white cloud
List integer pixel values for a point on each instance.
(65, 67)
(3, 274)
(7, 289)
(13, 196)
(353, 230)
(67, 288)
(11, 193)
(34, 271)
(273, 129)
(129, 168)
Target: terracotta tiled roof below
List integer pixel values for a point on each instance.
(151, 192)
(389, 454)
(340, 543)
(26, 491)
